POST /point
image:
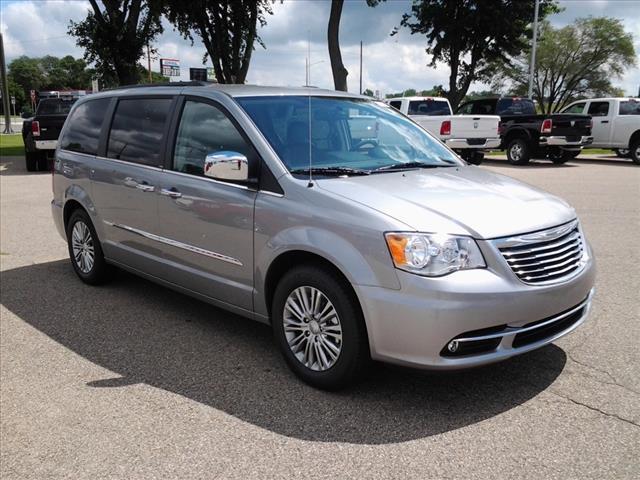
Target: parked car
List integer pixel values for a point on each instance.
(616, 124)
(40, 132)
(259, 201)
(526, 135)
(469, 136)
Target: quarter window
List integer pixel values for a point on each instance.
(137, 130)
(599, 109)
(631, 107)
(205, 129)
(83, 133)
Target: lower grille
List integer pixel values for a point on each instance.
(548, 256)
(546, 331)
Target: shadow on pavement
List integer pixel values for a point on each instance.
(577, 162)
(148, 334)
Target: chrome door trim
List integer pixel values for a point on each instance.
(213, 180)
(177, 244)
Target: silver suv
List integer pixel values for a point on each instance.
(334, 218)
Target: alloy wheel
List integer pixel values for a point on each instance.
(82, 246)
(312, 328)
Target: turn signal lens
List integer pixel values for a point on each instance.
(547, 126)
(432, 254)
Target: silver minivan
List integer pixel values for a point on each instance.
(332, 217)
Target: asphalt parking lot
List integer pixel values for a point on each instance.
(132, 380)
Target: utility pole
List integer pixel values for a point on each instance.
(533, 49)
(149, 63)
(360, 67)
(5, 90)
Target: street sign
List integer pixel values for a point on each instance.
(170, 67)
(198, 74)
(211, 74)
(13, 100)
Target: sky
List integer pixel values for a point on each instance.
(390, 64)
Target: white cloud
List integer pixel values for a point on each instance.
(37, 28)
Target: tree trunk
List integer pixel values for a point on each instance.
(333, 39)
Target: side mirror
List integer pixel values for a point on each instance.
(227, 165)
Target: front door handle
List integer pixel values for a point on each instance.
(604, 121)
(145, 187)
(170, 192)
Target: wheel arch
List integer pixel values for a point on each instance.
(635, 137)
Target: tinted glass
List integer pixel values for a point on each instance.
(631, 107)
(577, 108)
(137, 130)
(83, 132)
(429, 107)
(515, 106)
(465, 109)
(599, 109)
(204, 129)
(396, 104)
(54, 107)
(344, 132)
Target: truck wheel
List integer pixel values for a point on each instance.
(318, 325)
(475, 158)
(622, 152)
(43, 163)
(31, 159)
(518, 152)
(562, 156)
(634, 152)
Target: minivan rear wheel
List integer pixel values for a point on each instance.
(318, 325)
(85, 250)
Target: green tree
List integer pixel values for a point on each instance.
(473, 36)
(27, 73)
(369, 93)
(114, 37)
(228, 29)
(575, 61)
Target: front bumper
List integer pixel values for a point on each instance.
(566, 142)
(465, 143)
(413, 326)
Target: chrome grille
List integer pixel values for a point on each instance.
(545, 257)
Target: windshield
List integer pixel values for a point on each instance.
(55, 106)
(345, 134)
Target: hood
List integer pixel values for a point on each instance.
(455, 200)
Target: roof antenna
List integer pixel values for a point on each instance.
(310, 184)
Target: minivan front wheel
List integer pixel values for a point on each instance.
(319, 328)
(85, 250)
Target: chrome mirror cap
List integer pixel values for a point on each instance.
(226, 165)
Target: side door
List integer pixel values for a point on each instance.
(126, 179)
(207, 224)
(601, 113)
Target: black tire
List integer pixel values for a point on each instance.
(353, 356)
(43, 163)
(622, 152)
(31, 160)
(99, 271)
(563, 156)
(634, 152)
(518, 151)
(475, 158)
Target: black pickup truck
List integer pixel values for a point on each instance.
(526, 135)
(40, 132)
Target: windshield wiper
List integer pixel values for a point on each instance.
(408, 166)
(330, 171)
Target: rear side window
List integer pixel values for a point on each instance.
(632, 107)
(396, 104)
(83, 132)
(137, 130)
(429, 107)
(515, 106)
(599, 109)
(575, 108)
(54, 107)
(205, 129)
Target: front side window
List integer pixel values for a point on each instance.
(465, 109)
(630, 107)
(83, 132)
(575, 108)
(429, 107)
(205, 129)
(336, 134)
(599, 109)
(137, 130)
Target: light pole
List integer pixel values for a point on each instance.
(533, 48)
(5, 90)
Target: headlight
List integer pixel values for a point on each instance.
(433, 255)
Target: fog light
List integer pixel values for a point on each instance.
(453, 346)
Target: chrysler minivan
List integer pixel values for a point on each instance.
(332, 217)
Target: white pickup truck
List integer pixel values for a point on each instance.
(468, 135)
(616, 124)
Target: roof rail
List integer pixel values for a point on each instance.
(192, 83)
